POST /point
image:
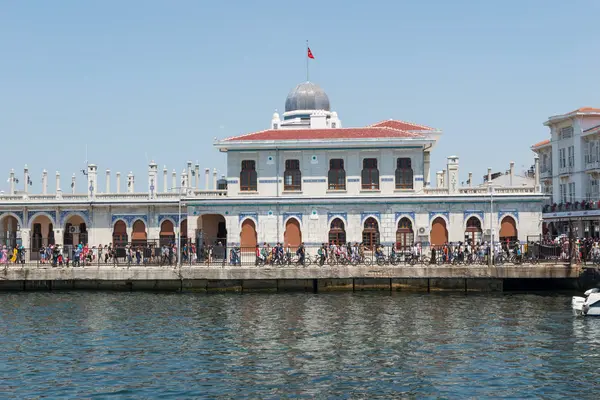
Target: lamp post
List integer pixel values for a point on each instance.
(179, 235)
(491, 259)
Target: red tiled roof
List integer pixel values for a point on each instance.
(586, 109)
(402, 125)
(542, 143)
(332, 133)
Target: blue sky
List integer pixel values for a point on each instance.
(141, 80)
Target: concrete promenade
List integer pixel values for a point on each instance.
(229, 278)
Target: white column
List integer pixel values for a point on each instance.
(108, 181)
(130, 183)
(538, 187)
(215, 179)
(197, 184)
(57, 181)
(165, 181)
(152, 179)
(118, 182)
(73, 178)
(12, 181)
(427, 169)
(184, 181)
(511, 172)
(470, 179)
(489, 176)
(44, 182)
(92, 181)
(206, 178)
(26, 179)
(173, 181)
(189, 173)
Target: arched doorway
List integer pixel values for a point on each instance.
(183, 231)
(42, 233)
(167, 233)
(439, 233)
(508, 230)
(337, 232)
(293, 234)
(75, 231)
(473, 230)
(370, 235)
(212, 230)
(119, 236)
(405, 236)
(139, 237)
(248, 238)
(9, 226)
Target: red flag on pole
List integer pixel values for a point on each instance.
(310, 54)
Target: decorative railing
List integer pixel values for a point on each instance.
(435, 191)
(513, 190)
(66, 197)
(209, 193)
(471, 190)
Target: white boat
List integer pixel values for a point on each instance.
(588, 305)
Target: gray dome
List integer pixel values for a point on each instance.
(307, 96)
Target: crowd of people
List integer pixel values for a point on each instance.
(582, 250)
(130, 254)
(15, 255)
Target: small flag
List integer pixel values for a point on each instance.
(310, 54)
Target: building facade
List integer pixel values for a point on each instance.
(570, 173)
(304, 179)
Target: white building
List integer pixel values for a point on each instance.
(570, 169)
(304, 179)
(307, 178)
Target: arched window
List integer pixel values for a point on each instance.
(337, 232)
(138, 235)
(404, 174)
(293, 234)
(292, 177)
(404, 235)
(508, 230)
(248, 176)
(248, 237)
(120, 234)
(371, 233)
(337, 175)
(473, 230)
(439, 233)
(370, 174)
(167, 233)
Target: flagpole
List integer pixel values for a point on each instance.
(306, 55)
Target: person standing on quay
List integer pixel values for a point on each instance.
(4, 256)
(13, 257)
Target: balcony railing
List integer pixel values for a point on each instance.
(594, 165)
(565, 170)
(546, 173)
(568, 206)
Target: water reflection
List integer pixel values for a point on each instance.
(267, 346)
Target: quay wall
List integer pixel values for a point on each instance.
(331, 279)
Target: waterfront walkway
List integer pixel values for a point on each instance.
(104, 272)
